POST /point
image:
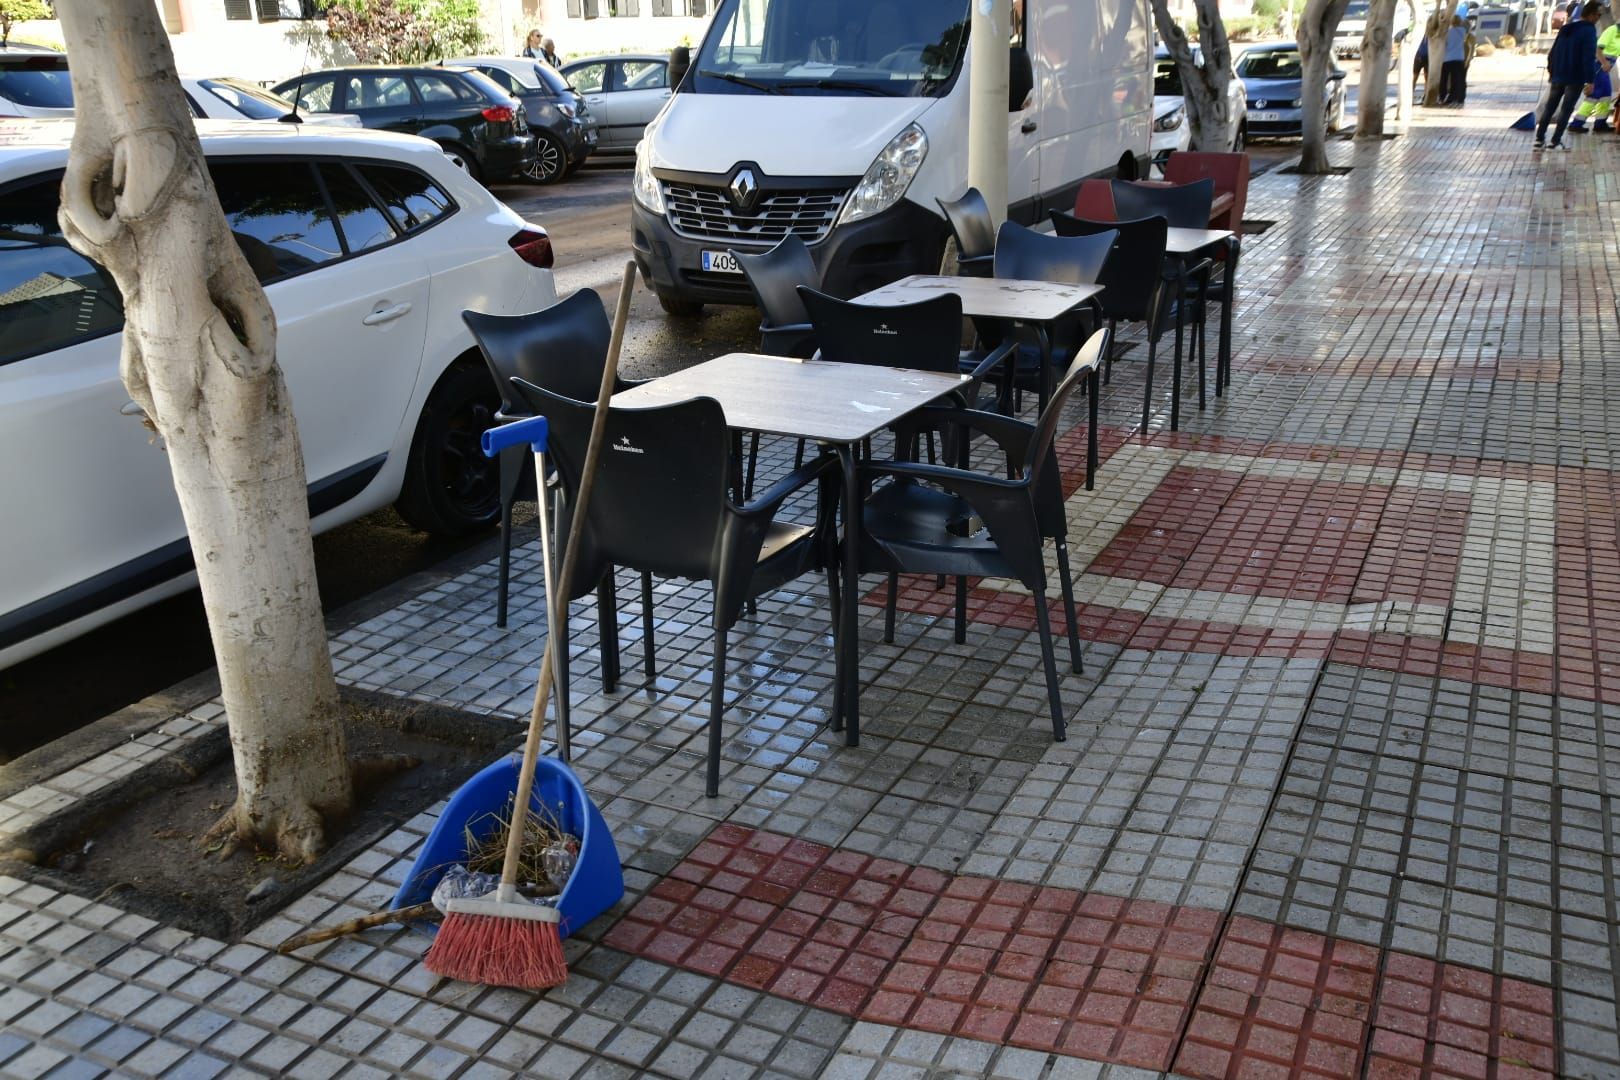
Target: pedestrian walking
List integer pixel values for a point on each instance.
(1420, 64)
(549, 54)
(531, 46)
(1451, 67)
(1571, 67)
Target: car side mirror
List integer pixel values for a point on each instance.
(1337, 76)
(680, 62)
(1020, 78)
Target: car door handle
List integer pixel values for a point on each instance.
(1027, 126)
(593, 100)
(129, 408)
(387, 314)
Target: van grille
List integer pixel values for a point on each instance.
(707, 213)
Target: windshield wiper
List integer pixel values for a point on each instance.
(740, 80)
(842, 84)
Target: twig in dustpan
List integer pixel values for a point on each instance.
(501, 940)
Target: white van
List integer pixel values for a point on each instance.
(842, 121)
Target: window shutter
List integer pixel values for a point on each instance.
(269, 10)
(238, 9)
(593, 8)
(662, 8)
(698, 8)
(575, 9)
(630, 8)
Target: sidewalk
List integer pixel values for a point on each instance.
(1335, 800)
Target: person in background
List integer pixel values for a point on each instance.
(1420, 65)
(550, 54)
(1596, 103)
(531, 46)
(1571, 66)
(1451, 68)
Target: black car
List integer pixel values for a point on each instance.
(563, 127)
(478, 124)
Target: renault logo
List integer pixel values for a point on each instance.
(744, 189)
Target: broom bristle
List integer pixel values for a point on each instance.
(495, 951)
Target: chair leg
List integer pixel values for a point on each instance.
(1093, 451)
(1043, 620)
(607, 631)
(753, 460)
(1075, 660)
(888, 609)
(1147, 384)
(510, 469)
(798, 454)
(1108, 360)
(559, 660)
(1203, 332)
(717, 705)
(649, 647)
(834, 610)
(961, 611)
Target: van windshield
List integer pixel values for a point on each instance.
(887, 48)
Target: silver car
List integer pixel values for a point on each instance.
(624, 93)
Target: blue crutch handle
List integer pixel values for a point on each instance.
(531, 430)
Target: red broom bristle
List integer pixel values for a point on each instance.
(522, 953)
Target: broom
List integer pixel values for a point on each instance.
(501, 939)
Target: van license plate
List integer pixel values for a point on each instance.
(1268, 117)
(720, 262)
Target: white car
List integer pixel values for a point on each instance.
(1168, 105)
(370, 245)
(34, 82)
(226, 98)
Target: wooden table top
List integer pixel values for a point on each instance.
(803, 399)
(991, 298)
(1187, 241)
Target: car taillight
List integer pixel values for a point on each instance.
(534, 248)
(498, 114)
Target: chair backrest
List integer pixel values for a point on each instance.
(1135, 270)
(1230, 172)
(1185, 206)
(659, 499)
(1076, 260)
(971, 224)
(1095, 200)
(925, 336)
(562, 348)
(775, 277)
(1040, 465)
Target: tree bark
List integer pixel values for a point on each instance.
(199, 357)
(1203, 88)
(1376, 43)
(1436, 29)
(1315, 37)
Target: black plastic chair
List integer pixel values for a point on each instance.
(1184, 206)
(562, 348)
(661, 505)
(1018, 512)
(1023, 253)
(975, 231)
(774, 277)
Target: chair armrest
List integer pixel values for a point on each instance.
(1010, 434)
(995, 358)
(769, 501)
(1004, 506)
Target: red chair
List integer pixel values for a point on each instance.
(1231, 175)
(1095, 201)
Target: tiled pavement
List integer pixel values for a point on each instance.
(1336, 799)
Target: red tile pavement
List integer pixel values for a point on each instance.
(1077, 974)
(1415, 548)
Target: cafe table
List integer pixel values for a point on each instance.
(1186, 243)
(1038, 303)
(836, 405)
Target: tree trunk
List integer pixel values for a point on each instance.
(1438, 26)
(1203, 88)
(1375, 49)
(199, 358)
(1315, 37)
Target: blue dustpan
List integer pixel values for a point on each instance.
(597, 882)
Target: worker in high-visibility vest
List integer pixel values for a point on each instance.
(1597, 105)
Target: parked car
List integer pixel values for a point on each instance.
(34, 82)
(238, 99)
(1170, 128)
(1273, 77)
(1353, 27)
(369, 246)
(564, 130)
(624, 92)
(480, 126)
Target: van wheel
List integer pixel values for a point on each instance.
(450, 487)
(683, 309)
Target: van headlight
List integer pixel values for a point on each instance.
(889, 177)
(1171, 120)
(645, 185)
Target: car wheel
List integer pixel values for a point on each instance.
(550, 164)
(685, 309)
(1242, 138)
(461, 160)
(450, 487)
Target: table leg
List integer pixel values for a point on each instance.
(1175, 380)
(849, 672)
(1093, 392)
(1223, 359)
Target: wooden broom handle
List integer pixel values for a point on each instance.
(554, 604)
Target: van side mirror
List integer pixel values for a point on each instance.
(680, 62)
(1020, 78)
